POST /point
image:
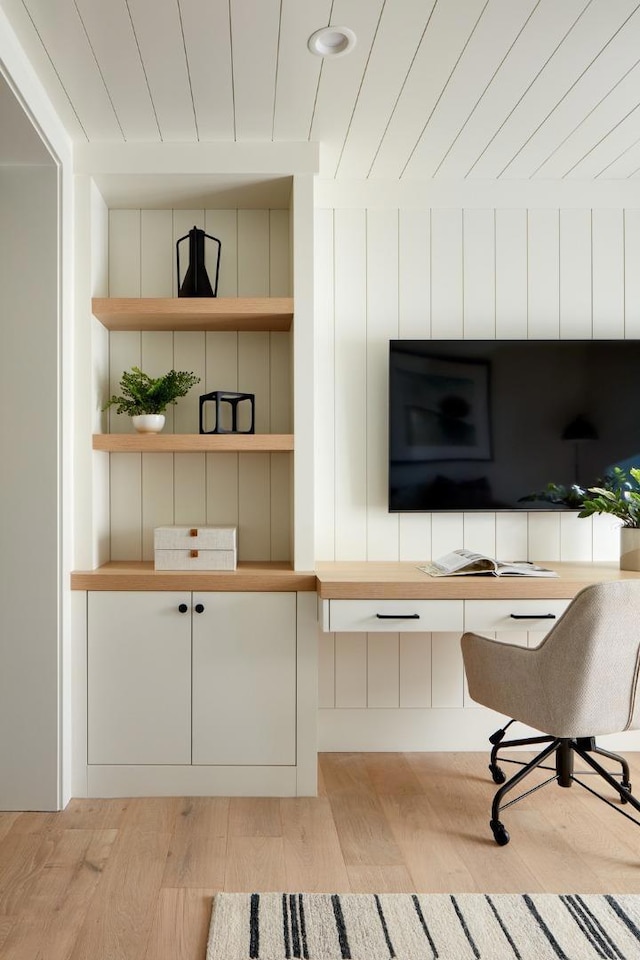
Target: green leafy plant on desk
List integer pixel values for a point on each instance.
(620, 497)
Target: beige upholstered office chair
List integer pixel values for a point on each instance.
(579, 683)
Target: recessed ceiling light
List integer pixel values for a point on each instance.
(332, 41)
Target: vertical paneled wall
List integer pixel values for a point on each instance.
(441, 273)
(448, 273)
(251, 491)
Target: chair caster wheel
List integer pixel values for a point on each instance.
(627, 788)
(497, 773)
(500, 834)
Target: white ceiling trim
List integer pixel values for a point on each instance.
(477, 194)
(198, 158)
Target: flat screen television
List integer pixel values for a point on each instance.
(481, 424)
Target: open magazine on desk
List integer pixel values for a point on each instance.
(462, 562)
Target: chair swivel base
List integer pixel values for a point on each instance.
(565, 750)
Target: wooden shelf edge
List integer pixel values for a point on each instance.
(194, 313)
(129, 575)
(193, 442)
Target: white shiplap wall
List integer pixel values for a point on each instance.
(251, 491)
(444, 273)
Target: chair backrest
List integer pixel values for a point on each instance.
(589, 661)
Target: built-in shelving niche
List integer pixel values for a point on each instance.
(179, 476)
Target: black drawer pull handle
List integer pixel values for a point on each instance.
(183, 608)
(532, 616)
(199, 608)
(398, 616)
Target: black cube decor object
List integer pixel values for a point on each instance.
(234, 400)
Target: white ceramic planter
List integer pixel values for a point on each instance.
(629, 548)
(148, 422)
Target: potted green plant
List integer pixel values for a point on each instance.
(145, 398)
(618, 494)
(620, 497)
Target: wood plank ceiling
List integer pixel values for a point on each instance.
(524, 89)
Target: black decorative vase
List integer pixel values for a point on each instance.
(196, 281)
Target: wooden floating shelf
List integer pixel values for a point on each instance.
(193, 442)
(140, 575)
(195, 313)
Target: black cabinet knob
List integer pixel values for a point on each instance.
(199, 607)
(183, 608)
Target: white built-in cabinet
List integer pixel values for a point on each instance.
(244, 678)
(183, 678)
(195, 690)
(139, 678)
(201, 684)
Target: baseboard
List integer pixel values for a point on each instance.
(442, 729)
(180, 781)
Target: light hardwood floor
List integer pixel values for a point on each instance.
(134, 879)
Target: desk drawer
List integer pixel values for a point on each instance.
(541, 615)
(395, 616)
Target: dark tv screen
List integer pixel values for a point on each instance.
(481, 424)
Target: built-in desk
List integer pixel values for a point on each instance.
(362, 580)
(377, 597)
(391, 672)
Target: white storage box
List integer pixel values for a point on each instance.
(195, 548)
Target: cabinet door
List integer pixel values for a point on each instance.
(139, 678)
(244, 678)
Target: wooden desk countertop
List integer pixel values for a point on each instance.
(394, 581)
(357, 580)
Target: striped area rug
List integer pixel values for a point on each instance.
(358, 926)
